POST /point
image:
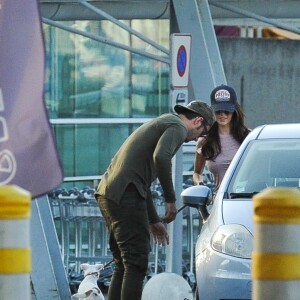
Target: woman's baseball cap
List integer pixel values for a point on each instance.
(198, 107)
(223, 97)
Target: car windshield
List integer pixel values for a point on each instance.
(266, 163)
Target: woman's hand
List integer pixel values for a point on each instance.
(198, 179)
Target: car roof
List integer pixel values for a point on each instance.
(276, 131)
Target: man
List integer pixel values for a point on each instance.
(124, 194)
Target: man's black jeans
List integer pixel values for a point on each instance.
(129, 241)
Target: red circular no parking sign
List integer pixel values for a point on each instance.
(181, 60)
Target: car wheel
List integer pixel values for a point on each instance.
(196, 294)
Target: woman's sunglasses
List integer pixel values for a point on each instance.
(219, 112)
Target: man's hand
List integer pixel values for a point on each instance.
(171, 212)
(159, 233)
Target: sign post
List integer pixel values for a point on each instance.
(180, 61)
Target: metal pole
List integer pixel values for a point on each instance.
(174, 250)
(105, 41)
(123, 26)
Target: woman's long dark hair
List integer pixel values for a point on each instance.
(211, 145)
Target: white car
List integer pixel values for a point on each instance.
(269, 157)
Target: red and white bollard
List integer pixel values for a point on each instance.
(276, 255)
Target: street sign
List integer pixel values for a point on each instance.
(179, 96)
(180, 59)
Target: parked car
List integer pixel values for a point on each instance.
(269, 157)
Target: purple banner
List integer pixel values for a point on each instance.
(28, 156)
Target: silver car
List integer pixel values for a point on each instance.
(269, 157)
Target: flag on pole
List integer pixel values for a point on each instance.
(28, 154)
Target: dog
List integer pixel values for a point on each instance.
(88, 288)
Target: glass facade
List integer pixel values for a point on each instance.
(96, 82)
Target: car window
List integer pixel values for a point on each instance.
(267, 163)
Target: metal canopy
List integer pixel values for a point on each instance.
(63, 10)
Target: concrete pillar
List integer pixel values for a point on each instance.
(276, 255)
(15, 254)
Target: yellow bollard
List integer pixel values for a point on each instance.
(276, 253)
(15, 254)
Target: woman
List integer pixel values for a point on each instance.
(219, 146)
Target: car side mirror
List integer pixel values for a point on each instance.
(197, 196)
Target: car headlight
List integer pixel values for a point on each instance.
(234, 240)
